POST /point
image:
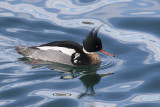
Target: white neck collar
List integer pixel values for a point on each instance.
(88, 52)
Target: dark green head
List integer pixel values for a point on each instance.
(93, 43)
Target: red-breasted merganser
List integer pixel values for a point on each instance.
(68, 52)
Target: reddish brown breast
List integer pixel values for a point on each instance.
(94, 58)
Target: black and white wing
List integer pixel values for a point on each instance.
(62, 51)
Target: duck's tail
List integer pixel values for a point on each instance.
(22, 50)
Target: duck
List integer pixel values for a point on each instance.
(68, 52)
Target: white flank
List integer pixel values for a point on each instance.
(62, 49)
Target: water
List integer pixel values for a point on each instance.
(131, 32)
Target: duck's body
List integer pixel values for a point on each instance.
(66, 52)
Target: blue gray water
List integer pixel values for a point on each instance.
(131, 32)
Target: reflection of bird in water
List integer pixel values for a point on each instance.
(87, 74)
(89, 80)
(68, 52)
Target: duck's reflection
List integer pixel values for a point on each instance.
(89, 80)
(86, 74)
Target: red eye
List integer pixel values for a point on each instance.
(96, 46)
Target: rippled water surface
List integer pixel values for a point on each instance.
(131, 31)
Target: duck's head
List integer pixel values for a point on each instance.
(93, 43)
